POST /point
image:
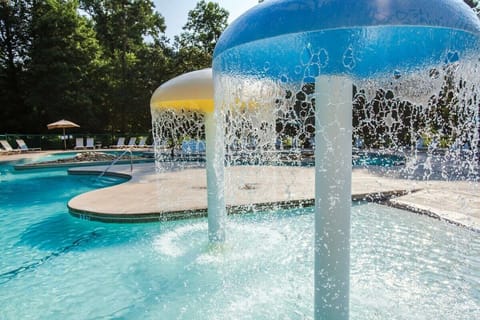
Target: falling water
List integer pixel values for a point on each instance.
(275, 125)
(425, 112)
(272, 123)
(172, 128)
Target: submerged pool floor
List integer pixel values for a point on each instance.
(54, 266)
(404, 266)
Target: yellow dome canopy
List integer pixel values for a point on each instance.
(191, 91)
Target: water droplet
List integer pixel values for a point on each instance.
(314, 70)
(452, 57)
(349, 59)
(266, 66)
(434, 73)
(309, 80)
(306, 56)
(323, 57)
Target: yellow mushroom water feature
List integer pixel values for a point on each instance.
(194, 91)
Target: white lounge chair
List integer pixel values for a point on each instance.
(120, 143)
(7, 147)
(359, 143)
(79, 144)
(142, 143)
(23, 146)
(132, 142)
(420, 145)
(193, 147)
(90, 143)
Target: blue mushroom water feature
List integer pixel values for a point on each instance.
(333, 43)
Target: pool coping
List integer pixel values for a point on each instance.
(202, 212)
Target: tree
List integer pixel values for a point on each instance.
(475, 5)
(122, 27)
(472, 3)
(63, 58)
(204, 26)
(14, 46)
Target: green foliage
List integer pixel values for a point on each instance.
(94, 62)
(122, 27)
(472, 3)
(204, 26)
(63, 55)
(97, 62)
(195, 46)
(14, 45)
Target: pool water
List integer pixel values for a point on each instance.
(70, 154)
(359, 159)
(54, 266)
(364, 159)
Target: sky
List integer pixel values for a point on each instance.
(175, 12)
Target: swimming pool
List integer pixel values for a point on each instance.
(72, 154)
(52, 159)
(54, 266)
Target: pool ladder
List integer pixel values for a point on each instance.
(116, 160)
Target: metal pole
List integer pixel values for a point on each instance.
(215, 153)
(333, 176)
(64, 140)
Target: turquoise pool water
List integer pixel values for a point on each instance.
(54, 266)
(359, 159)
(72, 154)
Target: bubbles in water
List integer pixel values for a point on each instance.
(349, 59)
(306, 56)
(323, 58)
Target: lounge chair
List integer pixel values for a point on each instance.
(359, 144)
(120, 143)
(79, 144)
(90, 144)
(132, 143)
(142, 143)
(7, 147)
(23, 146)
(420, 145)
(193, 147)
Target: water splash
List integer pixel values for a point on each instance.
(172, 127)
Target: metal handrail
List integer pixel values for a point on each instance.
(116, 160)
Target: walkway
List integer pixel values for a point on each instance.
(148, 196)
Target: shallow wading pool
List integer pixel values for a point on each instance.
(54, 266)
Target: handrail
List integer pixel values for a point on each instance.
(116, 160)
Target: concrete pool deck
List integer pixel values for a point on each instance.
(150, 196)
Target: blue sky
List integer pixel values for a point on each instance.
(175, 12)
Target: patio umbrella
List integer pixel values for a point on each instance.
(62, 124)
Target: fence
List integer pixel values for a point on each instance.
(55, 141)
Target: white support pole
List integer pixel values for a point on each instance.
(333, 180)
(215, 152)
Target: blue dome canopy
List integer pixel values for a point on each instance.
(298, 40)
